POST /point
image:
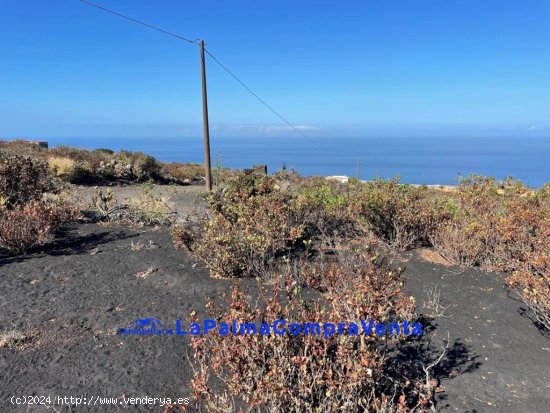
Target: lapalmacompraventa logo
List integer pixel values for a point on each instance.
(153, 326)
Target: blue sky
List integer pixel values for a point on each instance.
(334, 68)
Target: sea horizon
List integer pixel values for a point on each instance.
(416, 160)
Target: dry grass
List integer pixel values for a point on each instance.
(136, 246)
(149, 271)
(435, 303)
(151, 210)
(15, 340)
(61, 167)
(429, 255)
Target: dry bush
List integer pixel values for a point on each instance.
(22, 148)
(253, 223)
(88, 166)
(242, 245)
(93, 158)
(25, 226)
(303, 372)
(184, 171)
(535, 292)
(63, 151)
(524, 234)
(105, 205)
(401, 215)
(327, 210)
(434, 257)
(22, 179)
(62, 167)
(226, 250)
(91, 166)
(26, 217)
(10, 338)
(144, 209)
(103, 164)
(502, 226)
(97, 159)
(149, 210)
(137, 165)
(490, 224)
(434, 303)
(468, 235)
(292, 179)
(532, 278)
(249, 224)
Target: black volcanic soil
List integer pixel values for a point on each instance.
(186, 201)
(69, 300)
(497, 360)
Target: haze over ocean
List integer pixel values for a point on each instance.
(429, 160)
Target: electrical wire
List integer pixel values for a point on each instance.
(268, 106)
(177, 36)
(226, 69)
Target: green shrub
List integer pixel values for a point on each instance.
(401, 215)
(250, 224)
(140, 167)
(104, 151)
(248, 227)
(325, 196)
(326, 210)
(254, 222)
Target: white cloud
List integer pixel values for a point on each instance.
(265, 129)
(286, 128)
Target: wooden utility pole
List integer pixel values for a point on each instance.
(207, 166)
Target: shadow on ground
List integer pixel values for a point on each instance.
(71, 297)
(68, 241)
(439, 357)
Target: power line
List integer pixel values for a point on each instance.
(268, 106)
(177, 36)
(225, 68)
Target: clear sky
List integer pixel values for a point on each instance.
(333, 68)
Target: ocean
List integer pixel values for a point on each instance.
(416, 160)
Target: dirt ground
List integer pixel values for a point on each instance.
(66, 302)
(186, 201)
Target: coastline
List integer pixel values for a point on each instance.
(344, 179)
